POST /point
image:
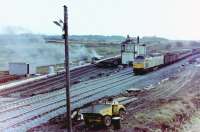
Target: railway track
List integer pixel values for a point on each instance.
(21, 115)
(24, 87)
(77, 100)
(76, 91)
(60, 100)
(58, 84)
(51, 83)
(162, 93)
(78, 74)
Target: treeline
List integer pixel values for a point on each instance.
(87, 38)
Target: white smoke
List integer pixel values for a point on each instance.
(16, 45)
(95, 54)
(79, 52)
(30, 49)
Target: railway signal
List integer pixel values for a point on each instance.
(64, 26)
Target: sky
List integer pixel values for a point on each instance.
(173, 19)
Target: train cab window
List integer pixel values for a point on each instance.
(140, 57)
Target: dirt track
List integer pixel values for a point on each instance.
(168, 106)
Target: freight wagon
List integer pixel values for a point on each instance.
(183, 54)
(109, 62)
(196, 51)
(170, 58)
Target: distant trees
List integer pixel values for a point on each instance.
(195, 44)
(179, 44)
(168, 46)
(96, 38)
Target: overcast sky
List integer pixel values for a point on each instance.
(174, 19)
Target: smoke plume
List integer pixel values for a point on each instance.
(16, 45)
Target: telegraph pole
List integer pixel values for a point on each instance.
(67, 71)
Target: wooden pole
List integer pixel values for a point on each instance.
(67, 71)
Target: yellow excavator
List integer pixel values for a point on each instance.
(104, 114)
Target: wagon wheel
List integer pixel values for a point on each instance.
(107, 121)
(87, 123)
(115, 63)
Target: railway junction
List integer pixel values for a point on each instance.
(38, 100)
(31, 103)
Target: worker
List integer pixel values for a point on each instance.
(109, 101)
(76, 115)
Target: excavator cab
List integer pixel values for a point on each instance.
(102, 113)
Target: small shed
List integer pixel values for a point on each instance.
(20, 69)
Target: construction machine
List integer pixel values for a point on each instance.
(103, 114)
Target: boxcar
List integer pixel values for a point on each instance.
(184, 54)
(170, 58)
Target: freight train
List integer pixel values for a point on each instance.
(144, 64)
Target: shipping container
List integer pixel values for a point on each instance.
(18, 69)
